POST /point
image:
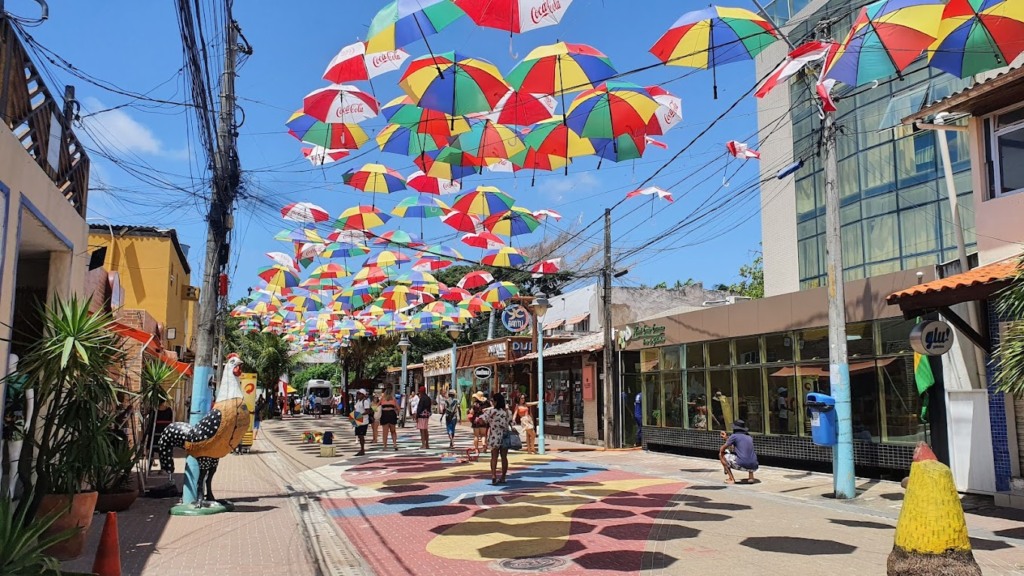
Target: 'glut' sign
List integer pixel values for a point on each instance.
(931, 338)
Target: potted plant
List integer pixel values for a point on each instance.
(113, 480)
(71, 367)
(23, 546)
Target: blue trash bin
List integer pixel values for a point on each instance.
(328, 438)
(822, 408)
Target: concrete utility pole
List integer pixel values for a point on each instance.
(843, 480)
(606, 323)
(219, 221)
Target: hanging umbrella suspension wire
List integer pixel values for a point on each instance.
(440, 74)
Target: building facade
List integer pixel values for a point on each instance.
(154, 275)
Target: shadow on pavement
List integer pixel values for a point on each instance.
(718, 506)
(244, 508)
(599, 513)
(687, 516)
(1015, 533)
(798, 546)
(706, 487)
(989, 545)
(648, 532)
(624, 561)
(431, 511)
(862, 524)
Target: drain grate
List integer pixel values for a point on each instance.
(541, 564)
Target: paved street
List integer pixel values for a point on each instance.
(571, 511)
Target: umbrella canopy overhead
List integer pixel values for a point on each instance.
(420, 182)
(320, 156)
(559, 68)
(515, 222)
(486, 143)
(485, 240)
(304, 212)
(505, 257)
(453, 84)
(340, 104)
(403, 22)
(523, 109)
(352, 63)
(515, 16)
(976, 36)
(361, 218)
(421, 207)
(375, 178)
(483, 201)
(611, 110)
(334, 136)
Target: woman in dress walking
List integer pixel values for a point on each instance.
(524, 418)
(499, 420)
(389, 418)
(423, 412)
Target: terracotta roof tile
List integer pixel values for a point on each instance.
(987, 274)
(588, 343)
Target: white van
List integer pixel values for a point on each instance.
(322, 389)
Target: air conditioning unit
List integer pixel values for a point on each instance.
(191, 293)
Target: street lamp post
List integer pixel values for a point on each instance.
(403, 345)
(345, 344)
(540, 306)
(454, 331)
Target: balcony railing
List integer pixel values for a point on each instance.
(39, 122)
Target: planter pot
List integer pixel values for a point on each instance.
(83, 505)
(115, 501)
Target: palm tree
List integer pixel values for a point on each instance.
(1008, 356)
(268, 354)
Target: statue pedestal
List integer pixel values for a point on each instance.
(210, 508)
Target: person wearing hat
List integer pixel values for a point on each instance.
(783, 410)
(738, 452)
(361, 418)
(451, 413)
(476, 418)
(423, 413)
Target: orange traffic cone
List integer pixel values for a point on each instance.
(108, 555)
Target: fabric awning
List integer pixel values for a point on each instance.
(152, 347)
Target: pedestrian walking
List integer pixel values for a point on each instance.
(375, 418)
(389, 418)
(451, 414)
(524, 418)
(257, 417)
(361, 418)
(738, 453)
(638, 416)
(477, 420)
(413, 403)
(423, 413)
(499, 420)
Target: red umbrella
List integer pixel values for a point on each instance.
(475, 279)
(546, 267)
(522, 108)
(455, 294)
(461, 221)
(304, 212)
(429, 185)
(516, 16)
(485, 240)
(340, 104)
(353, 63)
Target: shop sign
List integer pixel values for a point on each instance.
(482, 372)
(648, 334)
(497, 350)
(248, 382)
(515, 318)
(931, 338)
(437, 364)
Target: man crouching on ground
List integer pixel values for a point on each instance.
(738, 453)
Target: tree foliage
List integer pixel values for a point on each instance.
(752, 284)
(1008, 356)
(309, 372)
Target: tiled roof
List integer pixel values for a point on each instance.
(578, 319)
(1001, 271)
(587, 343)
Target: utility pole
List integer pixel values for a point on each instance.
(219, 221)
(606, 323)
(843, 480)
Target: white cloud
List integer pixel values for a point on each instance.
(118, 130)
(581, 181)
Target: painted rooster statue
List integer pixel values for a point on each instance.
(215, 435)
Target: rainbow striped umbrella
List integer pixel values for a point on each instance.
(611, 110)
(304, 303)
(404, 112)
(483, 201)
(304, 235)
(560, 68)
(398, 238)
(476, 305)
(499, 292)
(397, 297)
(407, 141)
(712, 36)
(975, 36)
(279, 276)
(386, 259)
(485, 144)
(424, 184)
(453, 84)
(330, 270)
(344, 250)
(424, 320)
(515, 222)
(333, 136)
(361, 218)
(435, 168)
(421, 207)
(375, 178)
(405, 21)
(506, 257)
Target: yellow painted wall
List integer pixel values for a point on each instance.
(153, 279)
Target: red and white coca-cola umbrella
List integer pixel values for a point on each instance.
(318, 155)
(546, 267)
(304, 212)
(546, 213)
(485, 240)
(669, 112)
(352, 63)
(429, 185)
(652, 191)
(340, 104)
(515, 15)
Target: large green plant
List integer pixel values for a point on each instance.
(22, 548)
(71, 366)
(1009, 354)
(158, 379)
(268, 354)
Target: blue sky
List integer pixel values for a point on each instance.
(135, 46)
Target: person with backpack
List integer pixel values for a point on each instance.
(451, 413)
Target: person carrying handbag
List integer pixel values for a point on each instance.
(499, 432)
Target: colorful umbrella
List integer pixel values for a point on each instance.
(506, 257)
(374, 178)
(328, 135)
(421, 207)
(369, 275)
(611, 110)
(886, 37)
(475, 279)
(404, 21)
(546, 213)
(340, 104)
(424, 320)
(442, 251)
(461, 221)
(397, 297)
(407, 142)
(652, 191)
(712, 36)
(386, 259)
(554, 138)
(621, 148)
(975, 36)
(455, 294)
(669, 112)
(463, 86)
(516, 16)
(430, 263)
(434, 168)
(344, 250)
(299, 235)
(483, 201)
(499, 292)
(304, 303)
(278, 276)
(559, 68)
(485, 144)
(485, 240)
(304, 212)
(476, 305)
(522, 108)
(515, 222)
(420, 182)
(352, 63)
(546, 267)
(283, 259)
(330, 270)
(398, 237)
(404, 112)
(361, 218)
(320, 156)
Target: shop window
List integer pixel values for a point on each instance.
(784, 402)
(812, 378)
(650, 360)
(630, 362)
(718, 354)
(778, 347)
(865, 402)
(653, 412)
(902, 403)
(750, 398)
(1008, 152)
(670, 358)
(672, 385)
(894, 336)
(631, 386)
(696, 401)
(748, 351)
(860, 340)
(694, 356)
(721, 415)
(813, 344)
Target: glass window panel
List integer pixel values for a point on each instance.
(652, 408)
(750, 398)
(881, 238)
(805, 196)
(1011, 159)
(880, 204)
(806, 229)
(868, 117)
(879, 268)
(631, 387)
(672, 384)
(813, 344)
(778, 347)
(812, 378)
(784, 413)
(895, 336)
(670, 358)
(865, 405)
(650, 360)
(855, 273)
(903, 104)
(876, 169)
(694, 356)
(967, 217)
(718, 354)
(696, 400)
(853, 245)
(917, 195)
(748, 351)
(860, 339)
(915, 158)
(849, 213)
(630, 362)
(849, 187)
(721, 399)
(919, 229)
(1010, 118)
(959, 150)
(902, 403)
(846, 144)
(921, 261)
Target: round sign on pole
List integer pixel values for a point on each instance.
(931, 338)
(482, 372)
(515, 318)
